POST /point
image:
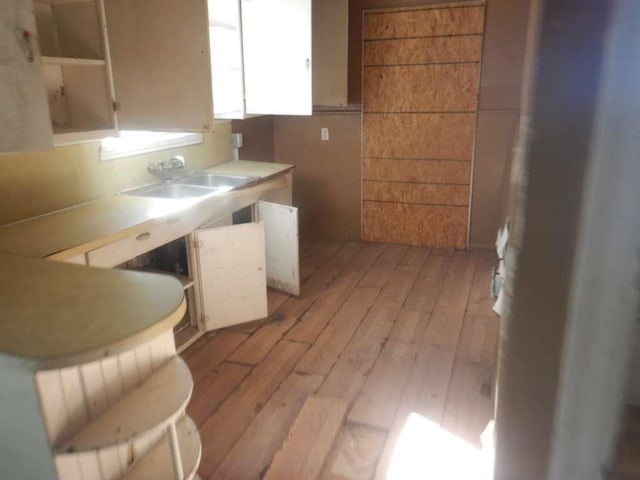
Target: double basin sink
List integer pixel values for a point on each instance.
(194, 186)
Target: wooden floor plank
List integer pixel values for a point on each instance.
(432, 303)
(327, 348)
(379, 273)
(221, 430)
(350, 371)
(443, 252)
(479, 340)
(429, 283)
(214, 388)
(469, 404)
(424, 395)
(355, 453)
(304, 451)
(444, 329)
(318, 257)
(457, 284)
(480, 298)
(377, 403)
(310, 326)
(415, 254)
(409, 327)
(216, 350)
(254, 350)
(264, 436)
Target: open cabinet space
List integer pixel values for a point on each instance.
(76, 68)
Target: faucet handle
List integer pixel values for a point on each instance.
(177, 161)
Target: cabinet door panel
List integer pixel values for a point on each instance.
(277, 56)
(281, 243)
(161, 64)
(231, 262)
(25, 123)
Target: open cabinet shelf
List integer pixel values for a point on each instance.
(76, 68)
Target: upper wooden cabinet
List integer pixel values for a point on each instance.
(165, 65)
(161, 64)
(330, 52)
(76, 67)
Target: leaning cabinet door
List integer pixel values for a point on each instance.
(25, 123)
(231, 262)
(281, 231)
(276, 41)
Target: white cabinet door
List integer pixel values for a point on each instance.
(25, 123)
(276, 38)
(231, 263)
(281, 243)
(225, 37)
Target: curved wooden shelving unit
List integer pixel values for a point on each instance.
(157, 463)
(154, 405)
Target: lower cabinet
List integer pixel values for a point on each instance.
(236, 263)
(225, 269)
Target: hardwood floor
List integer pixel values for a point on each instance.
(324, 387)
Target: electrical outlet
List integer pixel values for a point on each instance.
(324, 134)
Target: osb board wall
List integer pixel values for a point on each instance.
(326, 179)
(421, 72)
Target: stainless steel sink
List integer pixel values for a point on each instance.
(171, 190)
(214, 180)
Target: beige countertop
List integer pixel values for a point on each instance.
(57, 314)
(91, 225)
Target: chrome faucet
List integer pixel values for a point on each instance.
(164, 168)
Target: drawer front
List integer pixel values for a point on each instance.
(127, 248)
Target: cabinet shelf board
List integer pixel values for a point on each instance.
(156, 403)
(183, 279)
(157, 464)
(73, 62)
(70, 135)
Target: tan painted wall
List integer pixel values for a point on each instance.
(326, 184)
(498, 116)
(257, 138)
(36, 183)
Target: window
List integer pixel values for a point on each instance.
(132, 142)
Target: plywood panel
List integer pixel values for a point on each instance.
(439, 226)
(421, 171)
(437, 136)
(421, 88)
(424, 23)
(425, 50)
(423, 193)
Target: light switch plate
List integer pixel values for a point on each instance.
(324, 134)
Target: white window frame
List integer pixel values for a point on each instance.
(127, 145)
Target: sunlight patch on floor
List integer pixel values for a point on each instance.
(424, 450)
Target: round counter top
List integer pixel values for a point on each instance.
(58, 314)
